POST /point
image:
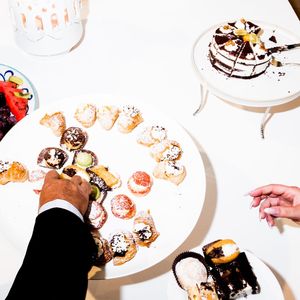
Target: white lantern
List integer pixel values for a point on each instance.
(46, 27)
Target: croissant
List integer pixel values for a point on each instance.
(56, 122)
(12, 172)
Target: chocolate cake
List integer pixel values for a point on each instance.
(230, 270)
(236, 50)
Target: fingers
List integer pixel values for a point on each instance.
(85, 187)
(76, 180)
(270, 190)
(291, 212)
(51, 175)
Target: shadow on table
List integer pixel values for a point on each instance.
(110, 288)
(288, 294)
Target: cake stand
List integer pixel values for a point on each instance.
(277, 86)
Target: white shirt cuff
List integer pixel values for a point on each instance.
(61, 204)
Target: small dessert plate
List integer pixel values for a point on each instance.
(270, 288)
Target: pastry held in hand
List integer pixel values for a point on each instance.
(56, 122)
(52, 158)
(190, 269)
(129, 118)
(73, 138)
(12, 172)
(71, 170)
(166, 150)
(151, 135)
(85, 114)
(172, 171)
(107, 116)
(144, 230)
(123, 247)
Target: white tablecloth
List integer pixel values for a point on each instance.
(142, 49)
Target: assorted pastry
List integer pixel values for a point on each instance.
(123, 247)
(12, 171)
(56, 122)
(144, 230)
(223, 272)
(70, 158)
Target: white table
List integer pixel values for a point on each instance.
(142, 49)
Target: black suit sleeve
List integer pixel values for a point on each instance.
(58, 259)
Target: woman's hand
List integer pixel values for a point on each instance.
(277, 201)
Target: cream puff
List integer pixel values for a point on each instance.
(172, 171)
(107, 116)
(123, 207)
(85, 114)
(151, 135)
(129, 118)
(139, 183)
(166, 150)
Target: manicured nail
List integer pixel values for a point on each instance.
(270, 211)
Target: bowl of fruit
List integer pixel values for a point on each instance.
(18, 98)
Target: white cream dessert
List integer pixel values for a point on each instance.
(237, 50)
(151, 135)
(190, 272)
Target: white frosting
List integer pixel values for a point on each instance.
(119, 243)
(158, 132)
(173, 168)
(239, 24)
(171, 153)
(4, 166)
(146, 230)
(231, 46)
(226, 29)
(136, 187)
(190, 271)
(229, 249)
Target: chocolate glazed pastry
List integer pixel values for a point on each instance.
(52, 158)
(73, 138)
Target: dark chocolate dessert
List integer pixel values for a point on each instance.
(237, 50)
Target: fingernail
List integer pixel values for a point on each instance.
(270, 210)
(248, 194)
(251, 204)
(270, 225)
(260, 216)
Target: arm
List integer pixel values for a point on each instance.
(60, 252)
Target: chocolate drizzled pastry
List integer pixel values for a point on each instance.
(52, 158)
(73, 138)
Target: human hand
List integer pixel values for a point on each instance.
(277, 201)
(76, 190)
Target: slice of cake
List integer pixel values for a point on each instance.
(230, 270)
(237, 50)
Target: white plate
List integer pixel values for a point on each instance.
(268, 89)
(270, 288)
(7, 71)
(168, 203)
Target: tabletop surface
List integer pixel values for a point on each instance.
(142, 50)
